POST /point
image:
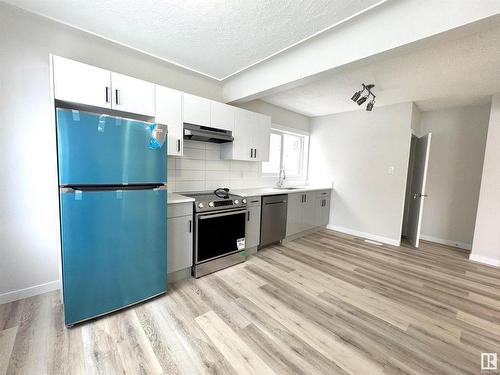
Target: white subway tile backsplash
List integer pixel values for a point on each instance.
(194, 153)
(201, 169)
(212, 185)
(212, 146)
(190, 185)
(195, 144)
(190, 164)
(216, 175)
(212, 154)
(189, 175)
(218, 165)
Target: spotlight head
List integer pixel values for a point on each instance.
(370, 105)
(356, 96)
(362, 100)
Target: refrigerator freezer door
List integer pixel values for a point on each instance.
(114, 250)
(104, 150)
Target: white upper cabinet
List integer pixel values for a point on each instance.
(251, 137)
(80, 83)
(76, 82)
(132, 95)
(221, 116)
(241, 148)
(196, 110)
(261, 137)
(169, 112)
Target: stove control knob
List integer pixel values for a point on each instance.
(236, 201)
(200, 205)
(244, 200)
(210, 204)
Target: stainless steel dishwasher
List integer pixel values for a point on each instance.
(273, 219)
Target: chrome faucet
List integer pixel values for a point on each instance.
(282, 178)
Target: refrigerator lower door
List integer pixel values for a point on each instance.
(114, 250)
(98, 149)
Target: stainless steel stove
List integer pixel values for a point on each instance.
(219, 231)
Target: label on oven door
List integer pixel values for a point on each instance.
(240, 243)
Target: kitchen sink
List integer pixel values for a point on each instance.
(287, 188)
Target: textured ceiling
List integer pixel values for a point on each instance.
(447, 73)
(217, 38)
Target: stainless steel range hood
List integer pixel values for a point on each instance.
(206, 134)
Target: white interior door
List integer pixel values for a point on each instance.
(418, 194)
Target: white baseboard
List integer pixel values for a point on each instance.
(29, 292)
(374, 237)
(461, 245)
(485, 260)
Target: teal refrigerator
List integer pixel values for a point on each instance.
(113, 212)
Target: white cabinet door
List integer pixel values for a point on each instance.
(261, 137)
(81, 83)
(294, 214)
(308, 209)
(243, 136)
(252, 236)
(133, 95)
(180, 243)
(221, 116)
(196, 110)
(169, 112)
(322, 215)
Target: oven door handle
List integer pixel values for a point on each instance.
(204, 217)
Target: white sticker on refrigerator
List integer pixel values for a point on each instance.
(240, 243)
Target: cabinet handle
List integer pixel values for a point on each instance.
(107, 94)
(248, 219)
(117, 99)
(255, 153)
(178, 145)
(190, 226)
(251, 153)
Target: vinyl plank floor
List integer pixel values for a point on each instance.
(327, 303)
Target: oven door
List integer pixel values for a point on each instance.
(219, 234)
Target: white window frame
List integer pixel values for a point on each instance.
(304, 136)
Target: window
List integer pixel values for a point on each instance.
(287, 150)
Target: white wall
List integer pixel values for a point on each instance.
(28, 175)
(486, 244)
(355, 150)
(278, 115)
(454, 174)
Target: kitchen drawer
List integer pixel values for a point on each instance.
(253, 201)
(323, 193)
(180, 209)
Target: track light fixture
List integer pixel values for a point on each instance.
(359, 98)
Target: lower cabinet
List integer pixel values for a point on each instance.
(180, 236)
(307, 211)
(252, 236)
(322, 208)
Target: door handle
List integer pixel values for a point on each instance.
(190, 226)
(107, 94)
(178, 145)
(117, 96)
(248, 219)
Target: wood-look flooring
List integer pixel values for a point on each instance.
(323, 304)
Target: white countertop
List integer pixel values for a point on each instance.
(274, 191)
(177, 198)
